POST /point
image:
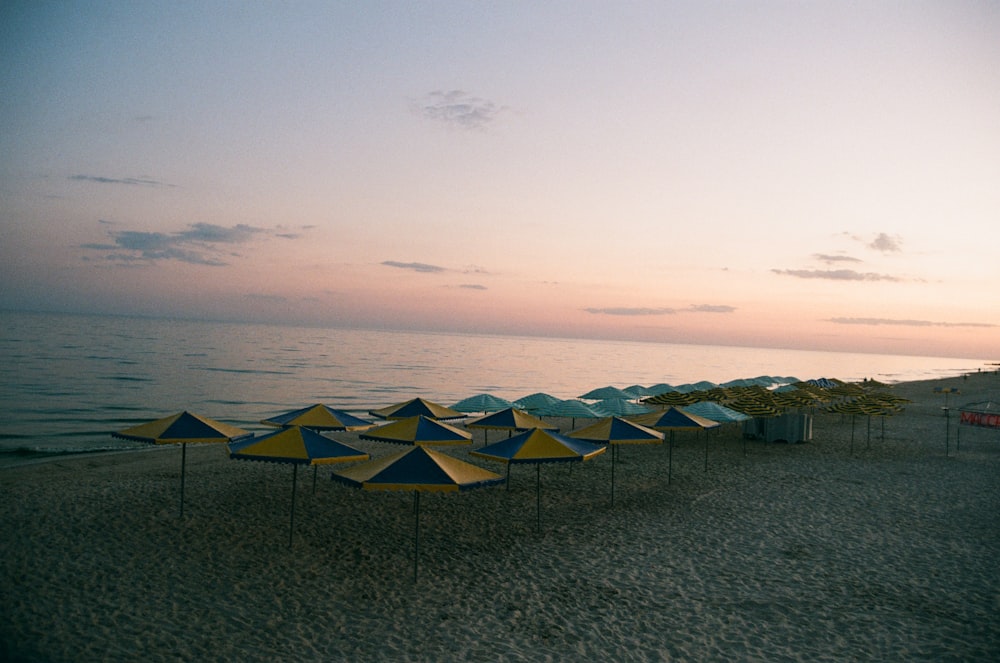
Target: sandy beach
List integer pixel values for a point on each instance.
(789, 552)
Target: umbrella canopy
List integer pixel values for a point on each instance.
(418, 430)
(481, 403)
(539, 446)
(183, 428)
(637, 391)
(616, 430)
(319, 417)
(297, 446)
(418, 470)
(571, 408)
(414, 407)
(531, 402)
(619, 407)
(716, 412)
(672, 420)
(509, 419)
(605, 392)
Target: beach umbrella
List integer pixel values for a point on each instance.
(183, 428)
(847, 407)
(637, 391)
(615, 431)
(481, 403)
(418, 430)
(605, 392)
(510, 419)
(417, 470)
(673, 420)
(414, 407)
(319, 417)
(671, 398)
(539, 446)
(619, 407)
(716, 412)
(296, 446)
(531, 402)
(570, 408)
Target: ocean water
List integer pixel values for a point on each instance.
(68, 381)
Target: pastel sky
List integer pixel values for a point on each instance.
(820, 175)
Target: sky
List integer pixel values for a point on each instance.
(816, 175)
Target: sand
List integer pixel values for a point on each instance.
(801, 552)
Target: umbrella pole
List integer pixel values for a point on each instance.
(614, 452)
(416, 532)
(670, 458)
(183, 466)
(538, 497)
(706, 452)
(852, 434)
(508, 477)
(291, 520)
(315, 471)
(868, 437)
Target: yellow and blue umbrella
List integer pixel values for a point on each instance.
(539, 446)
(615, 431)
(671, 420)
(418, 470)
(418, 430)
(510, 419)
(414, 407)
(183, 428)
(297, 446)
(319, 417)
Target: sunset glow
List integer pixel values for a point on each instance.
(806, 175)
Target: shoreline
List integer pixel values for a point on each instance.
(790, 552)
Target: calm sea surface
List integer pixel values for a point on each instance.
(67, 381)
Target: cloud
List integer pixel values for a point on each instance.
(824, 257)
(129, 181)
(457, 108)
(472, 286)
(631, 311)
(641, 311)
(874, 322)
(199, 244)
(887, 244)
(711, 308)
(415, 266)
(835, 274)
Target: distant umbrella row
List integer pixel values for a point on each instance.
(421, 423)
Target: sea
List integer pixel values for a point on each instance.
(68, 381)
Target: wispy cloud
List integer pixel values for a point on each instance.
(711, 308)
(874, 322)
(642, 311)
(458, 108)
(128, 181)
(198, 244)
(472, 286)
(887, 243)
(827, 258)
(835, 274)
(415, 266)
